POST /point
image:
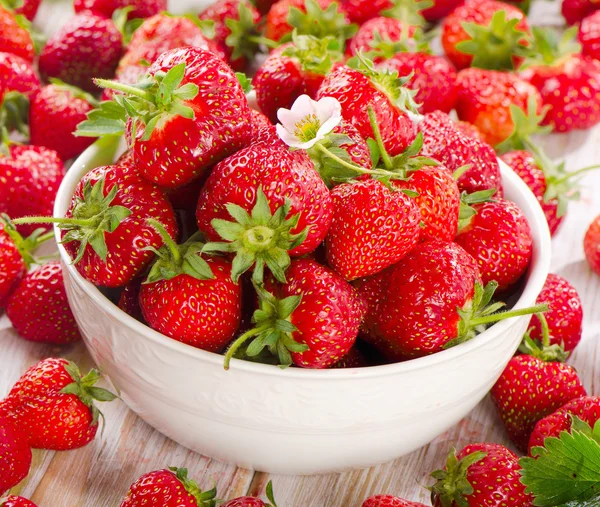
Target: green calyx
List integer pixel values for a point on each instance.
(321, 23)
(384, 48)
(480, 312)
(387, 82)
(84, 388)
(467, 201)
(550, 47)
(245, 82)
(126, 26)
(25, 246)
(314, 55)
(92, 218)
(272, 329)
(258, 239)
(493, 46)
(173, 260)
(543, 350)
(203, 498)
(14, 113)
(243, 33)
(408, 12)
(150, 103)
(453, 487)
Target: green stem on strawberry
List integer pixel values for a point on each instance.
(490, 319)
(52, 220)
(26, 246)
(544, 350)
(265, 41)
(387, 161)
(545, 329)
(233, 348)
(572, 174)
(352, 167)
(171, 245)
(125, 88)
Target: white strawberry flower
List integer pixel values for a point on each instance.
(308, 121)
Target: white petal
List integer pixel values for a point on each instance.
(300, 109)
(326, 108)
(287, 137)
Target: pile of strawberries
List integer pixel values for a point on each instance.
(336, 216)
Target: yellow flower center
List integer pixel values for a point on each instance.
(307, 128)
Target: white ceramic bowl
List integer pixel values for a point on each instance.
(293, 421)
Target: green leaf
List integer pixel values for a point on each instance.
(195, 266)
(169, 83)
(244, 81)
(100, 394)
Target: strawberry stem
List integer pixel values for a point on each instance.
(125, 88)
(576, 173)
(271, 44)
(489, 319)
(545, 329)
(387, 161)
(173, 248)
(52, 220)
(239, 342)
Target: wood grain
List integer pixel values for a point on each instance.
(100, 474)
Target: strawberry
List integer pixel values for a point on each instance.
(292, 70)
(15, 455)
(591, 245)
(434, 79)
(16, 501)
(589, 35)
(532, 386)
(167, 488)
(444, 141)
(30, 179)
(437, 281)
(357, 89)
(586, 408)
(575, 10)
(484, 99)
(38, 308)
(129, 300)
(13, 37)
(568, 82)
(311, 320)
(488, 34)
(564, 316)
(361, 11)
(86, 46)
(373, 227)
(236, 32)
(106, 200)
(468, 129)
(498, 237)
(440, 9)
(54, 114)
(252, 501)
(291, 220)
(27, 8)
(106, 8)
(480, 474)
(190, 298)
(381, 33)
(355, 358)
(189, 112)
(54, 405)
(389, 501)
(17, 75)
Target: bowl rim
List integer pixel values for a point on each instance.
(537, 274)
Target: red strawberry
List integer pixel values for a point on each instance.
(293, 70)
(54, 114)
(468, 129)
(355, 358)
(591, 245)
(361, 11)
(27, 8)
(86, 46)
(586, 408)
(382, 90)
(532, 386)
(498, 237)
(311, 320)
(444, 141)
(236, 29)
(485, 97)
(191, 299)
(575, 10)
(389, 501)
(201, 117)
(568, 82)
(30, 179)
(13, 37)
(16, 501)
(129, 300)
(17, 75)
(252, 501)
(277, 19)
(283, 176)
(434, 79)
(38, 308)
(167, 488)
(380, 32)
(440, 9)
(373, 227)
(564, 316)
(106, 8)
(480, 474)
(54, 405)
(589, 35)
(494, 33)
(15, 455)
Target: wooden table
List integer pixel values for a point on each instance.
(100, 474)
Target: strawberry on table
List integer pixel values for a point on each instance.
(252, 501)
(189, 297)
(480, 474)
(188, 113)
(589, 35)
(86, 46)
(16, 501)
(13, 37)
(488, 34)
(38, 307)
(311, 320)
(167, 488)
(444, 141)
(106, 8)
(389, 501)
(15, 455)
(54, 113)
(591, 245)
(55, 406)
